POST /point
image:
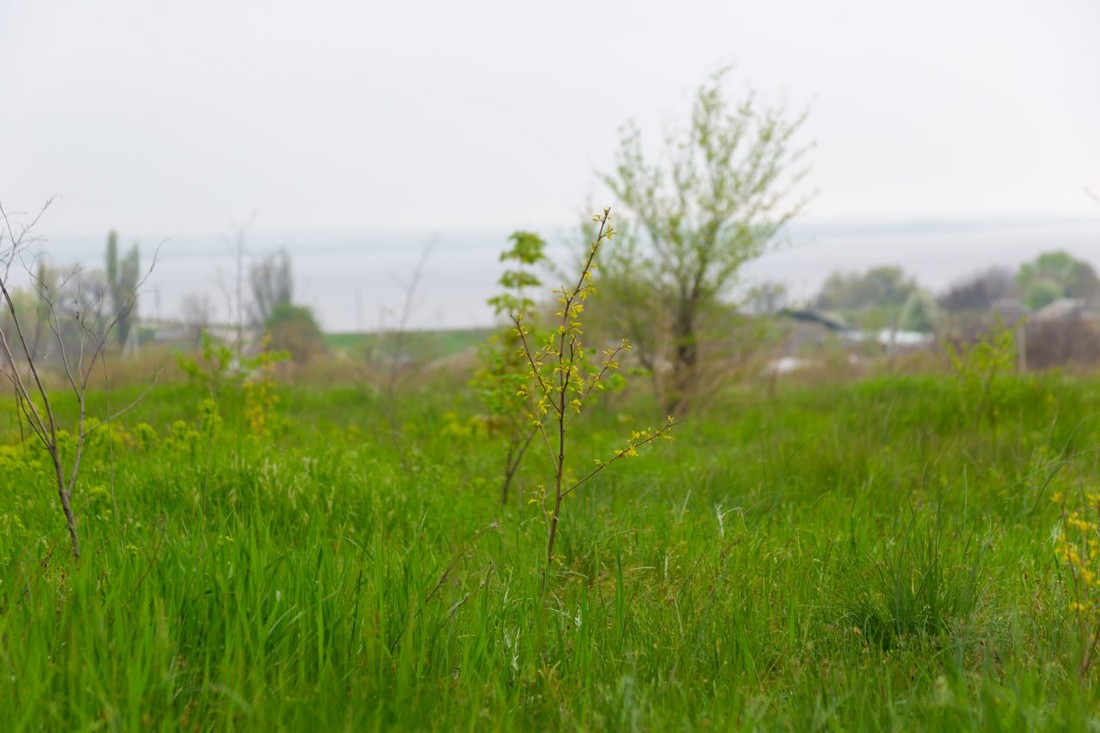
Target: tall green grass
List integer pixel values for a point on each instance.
(850, 557)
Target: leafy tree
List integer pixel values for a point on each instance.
(715, 199)
(878, 287)
(564, 376)
(979, 292)
(768, 298)
(122, 283)
(527, 251)
(1042, 292)
(1054, 275)
(919, 312)
(503, 371)
(870, 300)
(292, 328)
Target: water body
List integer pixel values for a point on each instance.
(358, 282)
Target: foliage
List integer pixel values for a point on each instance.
(562, 381)
(527, 251)
(871, 300)
(716, 199)
(879, 286)
(212, 367)
(1054, 275)
(978, 367)
(503, 369)
(1077, 546)
(260, 400)
(294, 330)
(768, 298)
(1041, 293)
(217, 368)
(919, 312)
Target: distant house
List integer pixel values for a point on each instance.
(807, 333)
(816, 328)
(893, 339)
(811, 328)
(1064, 331)
(1061, 310)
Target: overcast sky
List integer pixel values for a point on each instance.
(177, 119)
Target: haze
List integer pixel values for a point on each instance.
(304, 119)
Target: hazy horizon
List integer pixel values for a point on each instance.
(365, 130)
(355, 281)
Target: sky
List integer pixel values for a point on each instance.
(180, 119)
(182, 124)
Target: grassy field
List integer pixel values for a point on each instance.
(419, 345)
(854, 556)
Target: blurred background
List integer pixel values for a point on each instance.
(385, 144)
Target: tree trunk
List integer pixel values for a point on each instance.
(685, 361)
(66, 505)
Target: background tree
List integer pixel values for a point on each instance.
(1054, 275)
(292, 328)
(919, 312)
(979, 292)
(971, 307)
(879, 286)
(768, 298)
(122, 281)
(716, 198)
(272, 281)
(60, 309)
(870, 300)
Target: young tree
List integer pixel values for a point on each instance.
(72, 318)
(717, 198)
(564, 377)
(503, 369)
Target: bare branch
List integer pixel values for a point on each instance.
(32, 395)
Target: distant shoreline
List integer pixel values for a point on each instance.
(359, 283)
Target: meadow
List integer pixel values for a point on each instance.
(879, 554)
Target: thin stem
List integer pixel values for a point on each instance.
(621, 454)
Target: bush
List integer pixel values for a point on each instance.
(294, 329)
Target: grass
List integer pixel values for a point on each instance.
(849, 557)
(418, 345)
